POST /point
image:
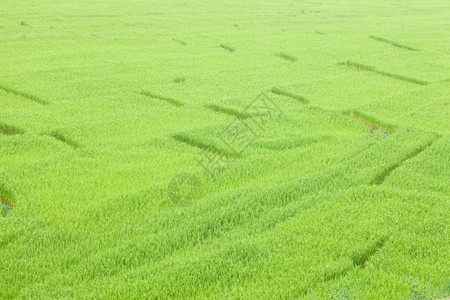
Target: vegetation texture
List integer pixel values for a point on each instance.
(224, 149)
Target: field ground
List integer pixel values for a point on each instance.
(336, 187)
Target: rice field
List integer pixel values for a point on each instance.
(225, 149)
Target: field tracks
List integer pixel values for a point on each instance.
(228, 48)
(6, 129)
(380, 39)
(23, 95)
(371, 122)
(286, 56)
(362, 67)
(361, 259)
(65, 139)
(6, 201)
(228, 111)
(379, 179)
(169, 100)
(284, 93)
(201, 145)
(180, 42)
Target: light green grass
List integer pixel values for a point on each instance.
(343, 192)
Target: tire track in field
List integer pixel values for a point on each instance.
(23, 95)
(64, 139)
(7, 129)
(286, 56)
(169, 100)
(393, 43)
(6, 201)
(371, 122)
(367, 68)
(183, 138)
(228, 48)
(228, 111)
(284, 93)
(379, 179)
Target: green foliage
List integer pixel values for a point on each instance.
(341, 191)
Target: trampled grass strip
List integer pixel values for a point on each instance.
(63, 138)
(202, 145)
(379, 179)
(367, 68)
(6, 129)
(228, 48)
(180, 42)
(179, 79)
(371, 122)
(162, 98)
(379, 39)
(361, 259)
(281, 92)
(228, 111)
(286, 56)
(6, 201)
(22, 94)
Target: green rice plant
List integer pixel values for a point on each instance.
(303, 212)
(392, 43)
(170, 100)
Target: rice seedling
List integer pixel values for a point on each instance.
(165, 168)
